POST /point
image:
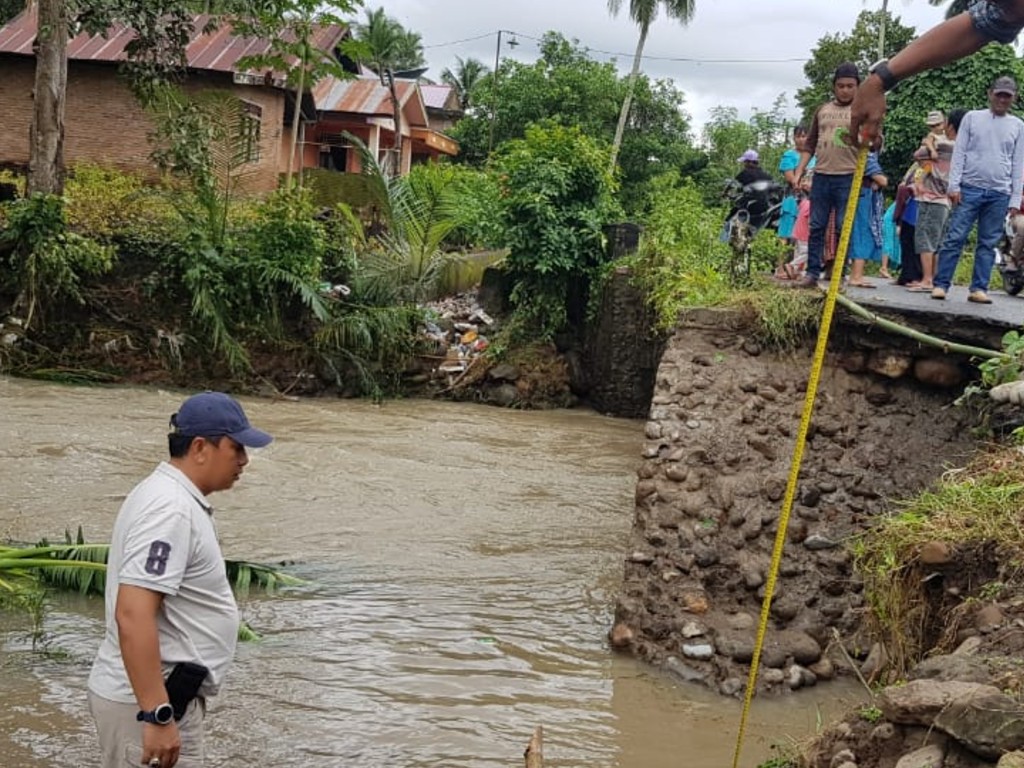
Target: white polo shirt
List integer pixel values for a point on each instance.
(164, 540)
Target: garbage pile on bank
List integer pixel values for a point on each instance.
(454, 343)
(457, 332)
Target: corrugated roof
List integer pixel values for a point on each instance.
(366, 96)
(217, 51)
(438, 96)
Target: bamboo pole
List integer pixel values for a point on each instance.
(924, 338)
(534, 753)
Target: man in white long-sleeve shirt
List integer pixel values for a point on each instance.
(985, 180)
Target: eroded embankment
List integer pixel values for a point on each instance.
(708, 498)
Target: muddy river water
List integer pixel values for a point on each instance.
(462, 564)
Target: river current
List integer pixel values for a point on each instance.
(462, 564)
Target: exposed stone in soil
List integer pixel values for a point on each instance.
(718, 446)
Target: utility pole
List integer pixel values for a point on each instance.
(494, 104)
(881, 30)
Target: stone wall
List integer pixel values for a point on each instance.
(622, 350)
(719, 442)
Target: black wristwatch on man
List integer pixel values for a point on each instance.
(881, 70)
(162, 715)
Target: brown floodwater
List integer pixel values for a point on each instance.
(462, 563)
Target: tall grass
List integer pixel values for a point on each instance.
(978, 508)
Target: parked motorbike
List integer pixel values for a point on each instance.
(755, 207)
(1009, 256)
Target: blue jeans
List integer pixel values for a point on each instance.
(828, 193)
(986, 207)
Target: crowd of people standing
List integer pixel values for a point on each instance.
(968, 170)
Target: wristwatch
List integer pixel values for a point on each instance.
(881, 68)
(162, 715)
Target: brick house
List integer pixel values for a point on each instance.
(104, 124)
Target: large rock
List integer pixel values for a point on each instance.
(919, 702)
(987, 722)
(778, 647)
(930, 756)
(955, 667)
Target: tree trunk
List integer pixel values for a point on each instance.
(296, 116)
(46, 136)
(628, 101)
(396, 110)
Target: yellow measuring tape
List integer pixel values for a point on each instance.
(801, 438)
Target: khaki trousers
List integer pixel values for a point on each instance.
(120, 734)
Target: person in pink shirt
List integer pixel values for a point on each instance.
(801, 233)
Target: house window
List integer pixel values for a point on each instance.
(334, 157)
(249, 132)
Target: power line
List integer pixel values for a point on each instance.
(681, 59)
(458, 42)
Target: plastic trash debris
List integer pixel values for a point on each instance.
(480, 316)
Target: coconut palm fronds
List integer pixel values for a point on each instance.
(243, 574)
(82, 567)
(79, 567)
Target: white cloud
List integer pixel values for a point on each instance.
(721, 29)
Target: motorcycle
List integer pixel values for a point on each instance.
(1010, 255)
(755, 207)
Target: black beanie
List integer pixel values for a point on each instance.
(846, 69)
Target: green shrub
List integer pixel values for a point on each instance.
(477, 198)
(103, 203)
(681, 261)
(284, 234)
(556, 196)
(46, 262)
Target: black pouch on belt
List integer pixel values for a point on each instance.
(183, 685)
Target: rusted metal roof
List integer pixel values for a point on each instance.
(367, 96)
(218, 51)
(439, 96)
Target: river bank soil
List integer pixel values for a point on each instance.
(122, 336)
(718, 446)
(715, 464)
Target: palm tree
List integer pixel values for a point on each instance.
(391, 48)
(465, 79)
(389, 44)
(643, 12)
(408, 51)
(956, 7)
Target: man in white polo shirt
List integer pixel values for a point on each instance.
(172, 621)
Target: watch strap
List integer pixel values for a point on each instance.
(161, 715)
(881, 69)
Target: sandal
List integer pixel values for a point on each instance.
(786, 272)
(919, 288)
(862, 285)
(884, 273)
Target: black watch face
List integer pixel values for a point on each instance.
(163, 714)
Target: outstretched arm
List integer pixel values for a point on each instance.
(950, 41)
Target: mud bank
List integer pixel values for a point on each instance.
(719, 441)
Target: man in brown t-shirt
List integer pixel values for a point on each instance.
(835, 164)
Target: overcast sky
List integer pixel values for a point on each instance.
(721, 29)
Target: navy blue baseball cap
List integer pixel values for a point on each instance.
(214, 414)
